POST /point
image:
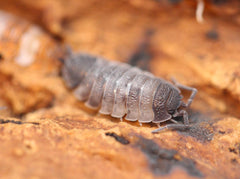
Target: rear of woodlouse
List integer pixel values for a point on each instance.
(122, 91)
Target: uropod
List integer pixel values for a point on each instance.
(123, 91)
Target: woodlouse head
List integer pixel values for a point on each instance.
(174, 101)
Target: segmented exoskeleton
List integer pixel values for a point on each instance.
(120, 90)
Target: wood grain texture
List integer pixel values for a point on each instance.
(46, 133)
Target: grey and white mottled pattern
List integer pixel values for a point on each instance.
(120, 90)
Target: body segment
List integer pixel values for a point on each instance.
(121, 92)
(110, 89)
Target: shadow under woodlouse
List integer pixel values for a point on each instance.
(201, 127)
(162, 161)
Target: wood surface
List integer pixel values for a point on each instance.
(45, 132)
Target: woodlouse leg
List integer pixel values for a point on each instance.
(171, 126)
(193, 90)
(177, 125)
(185, 117)
(140, 124)
(174, 121)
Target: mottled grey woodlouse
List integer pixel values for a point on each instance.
(119, 90)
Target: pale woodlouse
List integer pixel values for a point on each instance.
(123, 91)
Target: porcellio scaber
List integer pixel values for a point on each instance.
(123, 91)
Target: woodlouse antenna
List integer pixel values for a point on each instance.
(172, 126)
(192, 96)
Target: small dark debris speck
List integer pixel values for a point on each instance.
(212, 34)
(1, 57)
(118, 138)
(162, 161)
(233, 150)
(221, 132)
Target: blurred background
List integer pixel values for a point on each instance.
(195, 41)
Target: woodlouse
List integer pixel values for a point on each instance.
(119, 90)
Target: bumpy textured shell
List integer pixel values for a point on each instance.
(119, 90)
